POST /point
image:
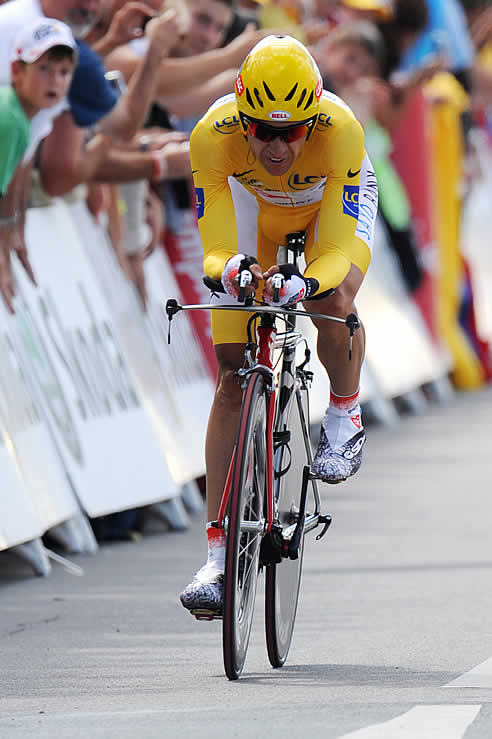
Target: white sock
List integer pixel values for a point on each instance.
(342, 419)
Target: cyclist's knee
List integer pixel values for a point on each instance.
(228, 390)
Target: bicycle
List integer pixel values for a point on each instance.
(264, 509)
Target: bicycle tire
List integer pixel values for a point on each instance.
(246, 503)
(283, 580)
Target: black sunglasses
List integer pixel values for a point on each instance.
(264, 132)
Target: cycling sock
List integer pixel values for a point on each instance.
(342, 419)
(340, 404)
(216, 547)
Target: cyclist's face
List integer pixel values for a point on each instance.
(277, 155)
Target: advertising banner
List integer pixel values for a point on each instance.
(80, 376)
(172, 379)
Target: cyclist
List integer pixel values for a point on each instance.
(282, 155)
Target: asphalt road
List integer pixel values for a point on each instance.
(395, 611)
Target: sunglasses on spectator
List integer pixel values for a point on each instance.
(289, 134)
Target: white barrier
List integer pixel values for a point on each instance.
(35, 495)
(80, 376)
(476, 230)
(172, 379)
(399, 348)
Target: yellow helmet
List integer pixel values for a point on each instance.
(278, 81)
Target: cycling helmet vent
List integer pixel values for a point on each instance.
(310, 100)
(301, 98)
(290, 95)
(258, 97)
(250, 99)
(269, 93)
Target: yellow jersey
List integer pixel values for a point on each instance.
(330, 191)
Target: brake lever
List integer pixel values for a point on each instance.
(245, 279)
(278, 281)
(172, 307)
(352, 322)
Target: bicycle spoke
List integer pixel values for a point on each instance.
(250, 543)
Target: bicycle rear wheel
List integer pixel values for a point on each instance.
(245, 527)
(283, 579)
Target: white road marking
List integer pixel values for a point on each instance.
(479, 677)
(422, 722)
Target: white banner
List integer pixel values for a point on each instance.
(38, 496)
(172, 379)
(19, 520)
(80, 375)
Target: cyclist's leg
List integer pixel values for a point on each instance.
(222, 423)
(333, 339)
(229, 333)
(342, 436)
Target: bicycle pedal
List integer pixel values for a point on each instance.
(312, 476)
(203, 615)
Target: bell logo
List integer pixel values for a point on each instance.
(279, 115)
(239, 85)
(319, 88)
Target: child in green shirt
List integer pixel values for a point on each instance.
(45, 54)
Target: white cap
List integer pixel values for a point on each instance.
(39, 36)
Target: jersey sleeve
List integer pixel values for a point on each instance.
(214, 204)
(347, 212)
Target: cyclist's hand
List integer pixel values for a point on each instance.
(230, 275)
(295, 288)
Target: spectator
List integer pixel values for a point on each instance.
(351, 61)
(42, 67)
(351, 51)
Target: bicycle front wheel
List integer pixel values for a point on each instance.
(245, 527)
(283, 579)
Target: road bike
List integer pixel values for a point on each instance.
(270, 499)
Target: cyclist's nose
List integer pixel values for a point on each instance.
(278, 145)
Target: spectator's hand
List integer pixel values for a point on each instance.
(402, 83)
(137, 276)
(6, 276)
(127, 22)
(369, 98)
(174, 161)
(20, 249)
(155, 221)
(163, 31)
(315, 30)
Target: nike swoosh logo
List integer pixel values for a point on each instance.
(241, 174)
(353, 174)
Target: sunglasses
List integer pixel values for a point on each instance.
(289, 134)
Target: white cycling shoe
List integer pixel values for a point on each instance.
(205, 592)
(339, 453)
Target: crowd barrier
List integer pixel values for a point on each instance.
(99, 414)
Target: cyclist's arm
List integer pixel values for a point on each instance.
(215, 208)
(347, 212)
